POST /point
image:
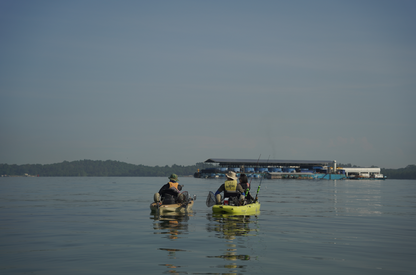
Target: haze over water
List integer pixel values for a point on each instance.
(105, 226)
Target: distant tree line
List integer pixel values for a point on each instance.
(409, 172)
(348, 165)
(110, 168)
(98, 168)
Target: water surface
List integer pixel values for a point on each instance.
(105, 226)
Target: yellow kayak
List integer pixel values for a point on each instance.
(248, 209)
(177, 207)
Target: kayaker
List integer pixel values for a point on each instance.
(170, 192)
(231, 189)
(246, 186)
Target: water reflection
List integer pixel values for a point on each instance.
(231, 228)
(171, 224)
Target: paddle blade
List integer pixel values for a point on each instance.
(210, 199)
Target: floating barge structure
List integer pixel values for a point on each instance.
(286, 169)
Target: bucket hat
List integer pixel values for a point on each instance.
(231, 175)
(173, 177)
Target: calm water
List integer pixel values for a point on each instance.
(104, 226)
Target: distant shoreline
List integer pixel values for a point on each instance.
(109, 168)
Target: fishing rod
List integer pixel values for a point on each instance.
(248, 187)
(258, 188)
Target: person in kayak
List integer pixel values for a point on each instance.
(231, 189)
(170, 192)
(246, 186)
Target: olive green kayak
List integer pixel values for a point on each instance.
(177, 207)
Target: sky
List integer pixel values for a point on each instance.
(179, 82)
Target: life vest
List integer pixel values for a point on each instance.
(173, 184)
(230, 187)
(168, 195)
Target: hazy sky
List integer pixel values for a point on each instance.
(178, 82)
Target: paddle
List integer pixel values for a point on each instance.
(210, 199)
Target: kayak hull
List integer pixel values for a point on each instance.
(248, 209)
(177, 207)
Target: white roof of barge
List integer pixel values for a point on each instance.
(267, 162)
(361, 169)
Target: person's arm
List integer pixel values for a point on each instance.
(174, 190)
(164, 188)
(222, 188)
(240, 189)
